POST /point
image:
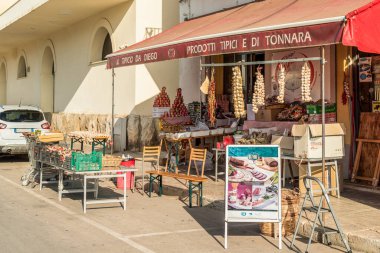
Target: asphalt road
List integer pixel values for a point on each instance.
(35, 221)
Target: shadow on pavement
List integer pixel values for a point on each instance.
(14, 158)
(365, 198)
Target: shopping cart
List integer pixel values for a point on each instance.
(36, 151)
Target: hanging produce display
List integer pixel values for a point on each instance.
(258, 98)
(212, 99)
(305, 88)
(281, 85)
(205, 85)
(178, 108)
(346, 90)
(162, 99)
(237, 93)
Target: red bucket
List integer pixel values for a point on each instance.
(130, 175)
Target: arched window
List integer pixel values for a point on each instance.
(107, 47)
(101, 45)
(21, 71)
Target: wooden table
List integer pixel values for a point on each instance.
(96, 141)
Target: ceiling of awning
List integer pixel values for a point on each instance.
(258, 16)
(45, 19)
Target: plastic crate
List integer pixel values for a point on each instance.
(86, 162)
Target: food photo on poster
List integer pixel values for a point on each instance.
(253, 179)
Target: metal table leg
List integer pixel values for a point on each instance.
(337, 178)
(143, 171)
(96, 185)
(85, 194)
(41, 175)
(60, 184)
(216, 165)
(125, 191)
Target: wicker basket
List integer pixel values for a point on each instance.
(111, 161)
(290, 210)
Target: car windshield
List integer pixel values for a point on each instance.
(21, 116)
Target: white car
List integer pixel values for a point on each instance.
(14, 120)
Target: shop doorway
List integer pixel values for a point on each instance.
(47, 81)
(3, 84)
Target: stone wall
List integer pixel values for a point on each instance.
(141, 130)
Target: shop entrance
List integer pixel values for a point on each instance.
(47, 81)
(3, 84)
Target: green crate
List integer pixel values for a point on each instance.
(86, 162)
(317, 109)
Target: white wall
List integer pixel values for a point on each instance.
(195, 8)
(84, 87)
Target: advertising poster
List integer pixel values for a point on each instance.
(365, 71)
(253, 183)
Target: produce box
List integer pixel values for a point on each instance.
(267, 114)
(308, 140)
(86, 162)
(158, 112)
(221, 122)
(50, 137)
(330, 117)
(111, 161)
(317, 109)
(286, 144)
(217, 131)
(201, 133)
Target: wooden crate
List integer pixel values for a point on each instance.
(317, 172)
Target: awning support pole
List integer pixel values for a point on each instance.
(113, 110)
(200, 92)
(323, 122)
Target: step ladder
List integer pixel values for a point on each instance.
(318, 210)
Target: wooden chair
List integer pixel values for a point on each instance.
(151, 154)
(196, 155)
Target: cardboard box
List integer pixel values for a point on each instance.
(286, 144)
(267, 114)
(308, 140)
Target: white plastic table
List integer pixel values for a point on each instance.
(218, 154)
(96, 175)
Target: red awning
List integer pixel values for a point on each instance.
(258, 26)
(363, 28)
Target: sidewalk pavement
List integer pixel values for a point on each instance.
(357, 211)
(35, 221)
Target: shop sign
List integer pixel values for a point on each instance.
(253, 190)
(305, 36)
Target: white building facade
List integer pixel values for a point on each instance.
(52, 54)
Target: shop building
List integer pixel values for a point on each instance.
(52, 55)
(279, 31)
